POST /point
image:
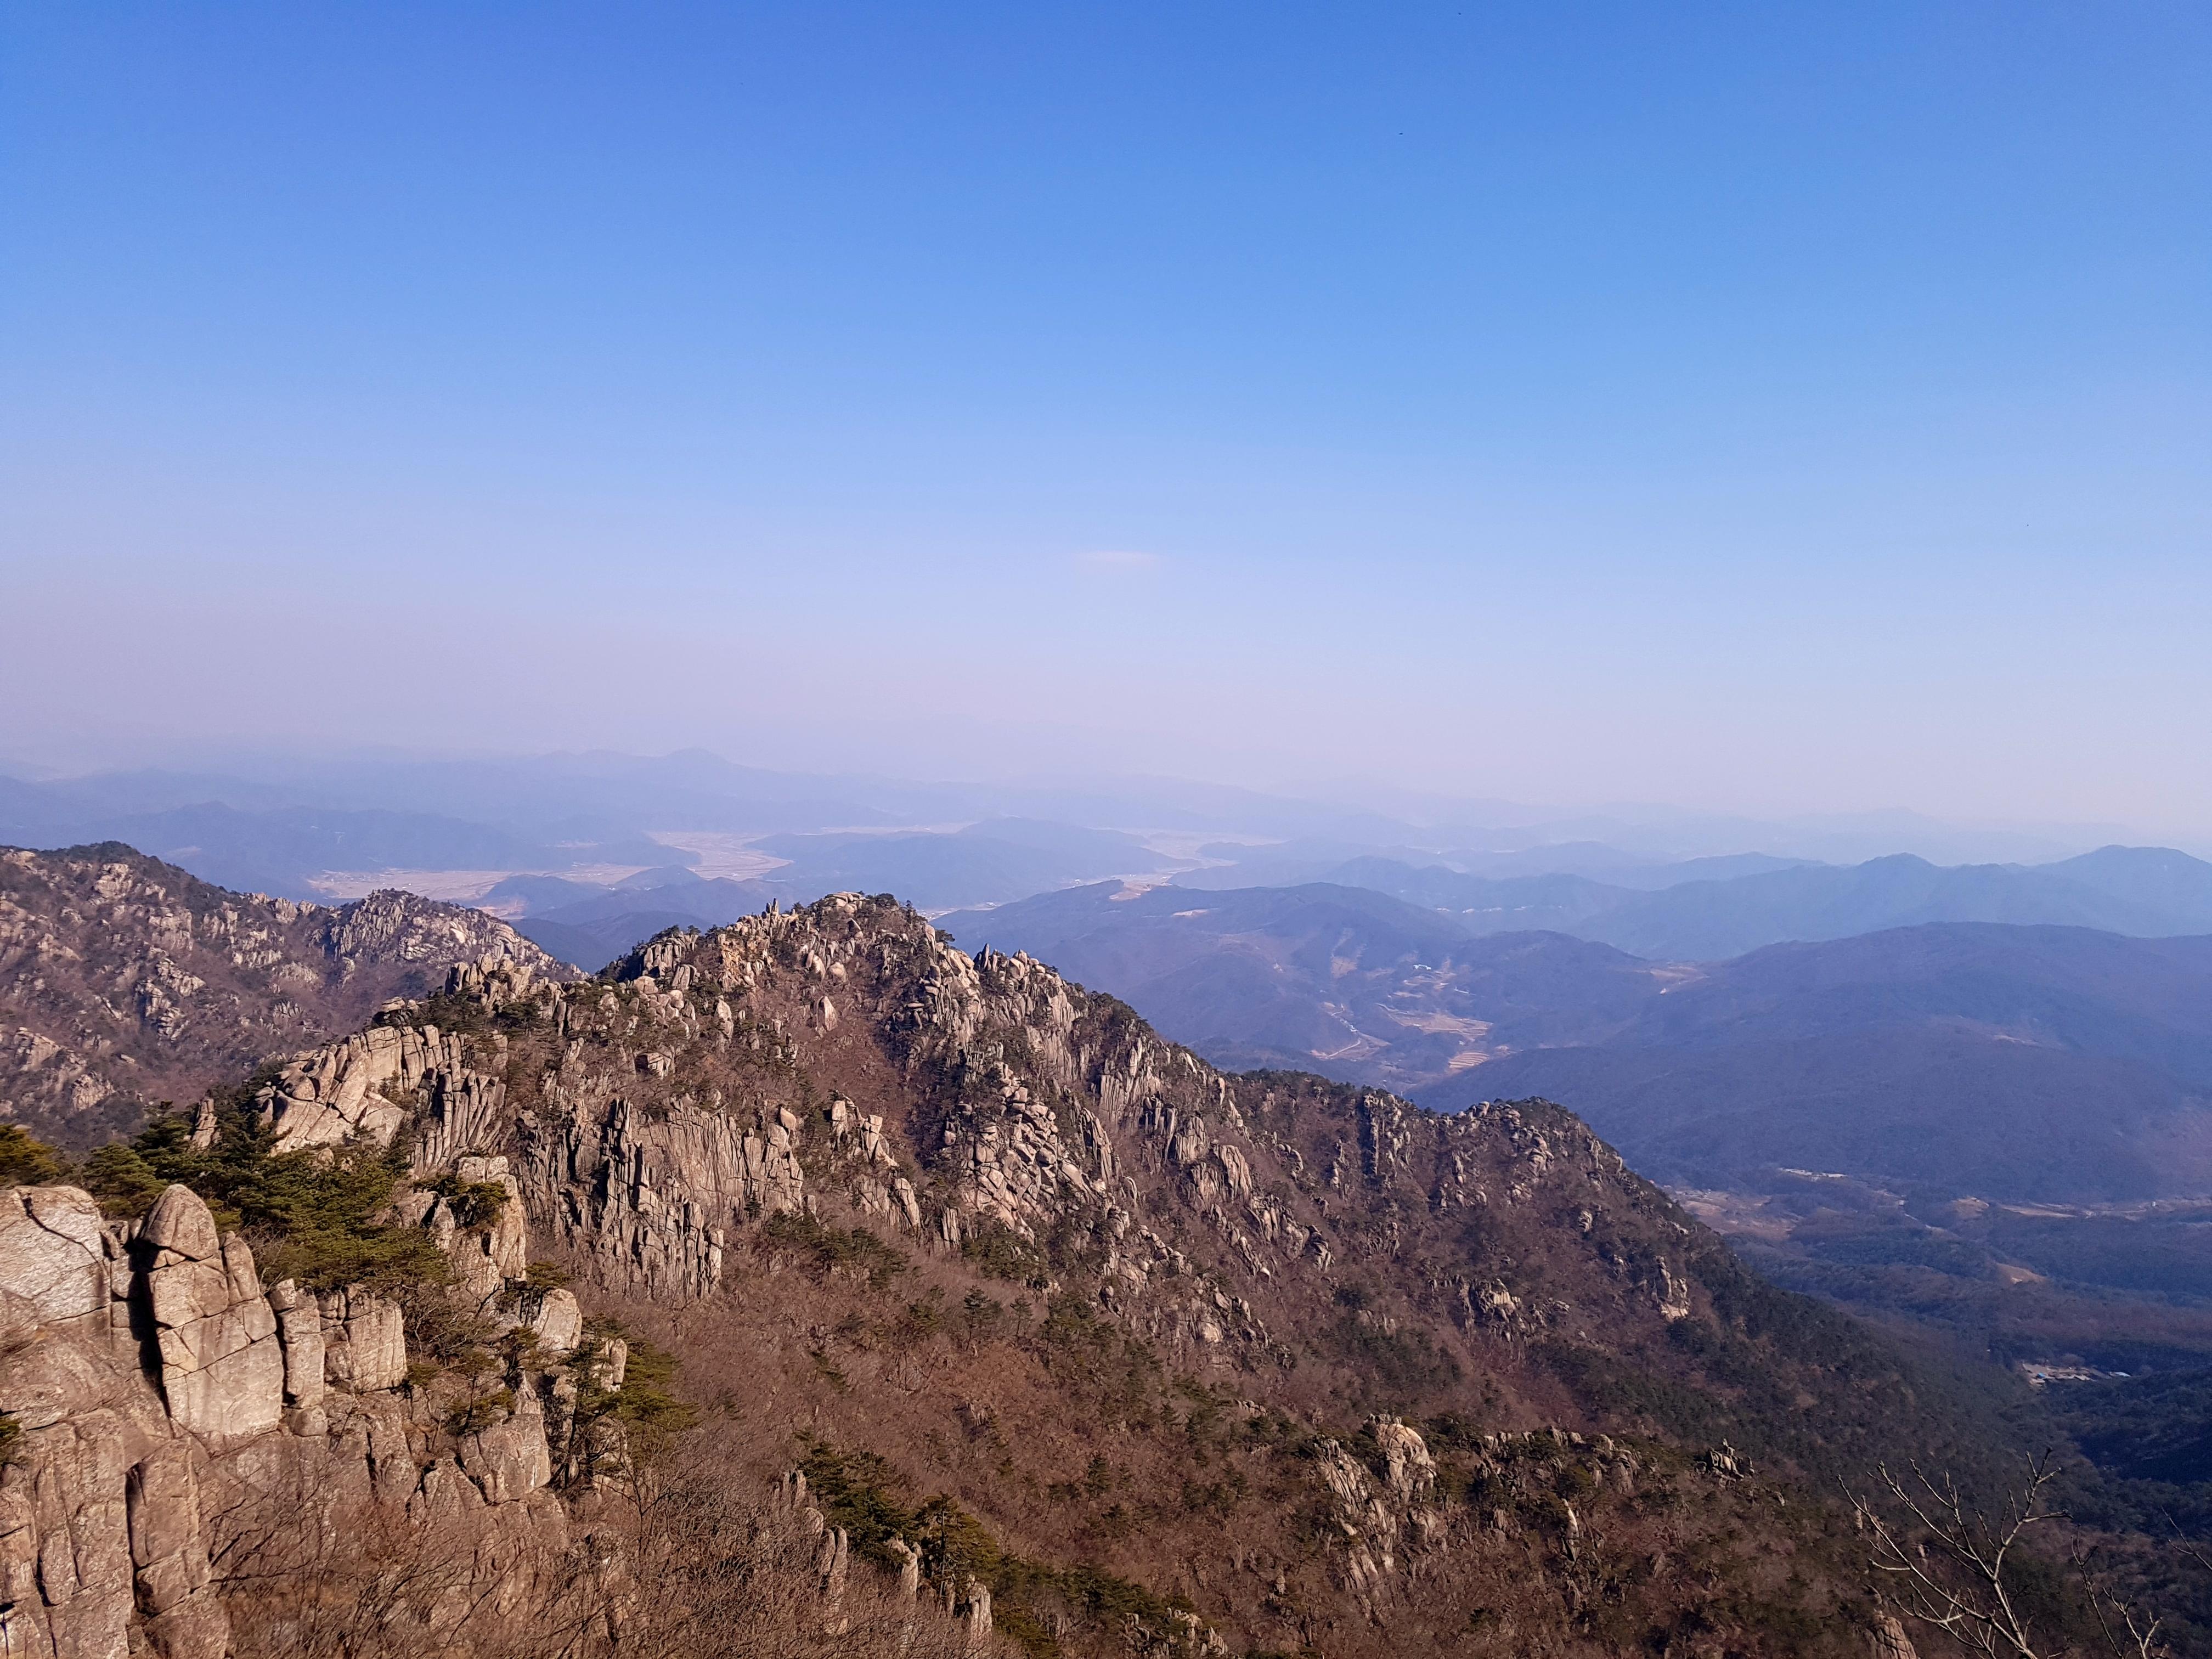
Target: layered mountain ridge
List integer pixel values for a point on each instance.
(1960, 1057)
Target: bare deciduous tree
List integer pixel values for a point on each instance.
(1942, 1562)
(692, 1564)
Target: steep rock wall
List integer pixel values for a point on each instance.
(171, 1408)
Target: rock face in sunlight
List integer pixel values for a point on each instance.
(172, 1413)
(1083, 1345)
(846, 1049)
(125, 981)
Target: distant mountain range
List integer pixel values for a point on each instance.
(1701, 910)
(1354, 983)
(285, 850)
(589, 926)
(997, 859)
(985, 863)
(2010, 1060)
(1231, 864)
(2026, 1063)
(552, 812)
(1706, 914)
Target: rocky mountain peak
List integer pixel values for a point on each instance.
(844, 1061)
(391, 926)
(1113, 1350)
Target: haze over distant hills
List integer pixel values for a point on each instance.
(985, 863)
(559, 811)
(590, 926)
(1355, 983)
(285, 850)
(2018, 1063)
(1416, 948)
(1706, 916)
(2030, 1062)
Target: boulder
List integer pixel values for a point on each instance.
(364, 1342)
(50, 1252)
(181, 1221)
(559, 1322)
(222, 1367)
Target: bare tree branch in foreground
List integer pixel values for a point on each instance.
(1947, 1566)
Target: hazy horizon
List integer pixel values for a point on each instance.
(323, 775)
(1767, 416)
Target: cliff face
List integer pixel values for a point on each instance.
(173, 1413)
(1302, 1363)
(196, 1465)
(125, 981)
(436, 1459)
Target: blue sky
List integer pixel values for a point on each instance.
(1775, 407)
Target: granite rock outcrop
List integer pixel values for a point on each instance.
(169, 1406)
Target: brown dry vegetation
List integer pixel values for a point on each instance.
(1113, 1471)
(1111, 1491)
(691, 1560)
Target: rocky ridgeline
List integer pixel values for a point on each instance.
(845, 1062)
(844, 1058)
(717, 1079)
(127, 980)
